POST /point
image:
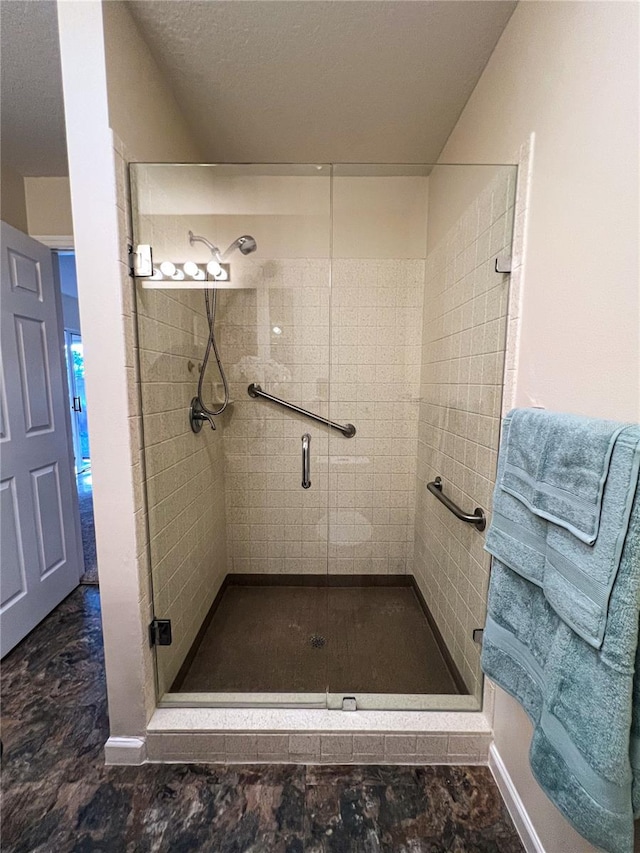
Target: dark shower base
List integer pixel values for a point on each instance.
(301, 633)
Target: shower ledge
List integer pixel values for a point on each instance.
(316, 720)
(307, 736)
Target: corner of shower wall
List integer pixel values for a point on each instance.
(127, 285)
(464, 324)
(178, 482)
(184, 472)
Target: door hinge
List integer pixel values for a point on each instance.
(477, 635)
(503, 264)
(160, 632)
(140, 260)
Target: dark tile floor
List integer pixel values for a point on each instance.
(58, 795)
(372, 639)
(85, 501)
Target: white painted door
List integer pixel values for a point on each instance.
(40, 555)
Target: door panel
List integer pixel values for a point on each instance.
(4, 424)
(25, 274)
(49, 521)
(41, 557)
(14, 583)
(31, 339)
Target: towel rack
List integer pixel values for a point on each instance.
(478, 518)
(348, 430)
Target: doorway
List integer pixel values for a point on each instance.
(74, 358)
(75, 373)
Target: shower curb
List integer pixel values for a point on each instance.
(312, 736)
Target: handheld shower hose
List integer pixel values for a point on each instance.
(245, 244)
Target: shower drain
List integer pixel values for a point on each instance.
(317, 641)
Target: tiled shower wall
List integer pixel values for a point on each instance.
(184, 472)
(276, 335)
(409, 352)
(463, 341)
(376, 311)
(363, 488)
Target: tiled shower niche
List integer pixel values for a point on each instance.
(371, 299)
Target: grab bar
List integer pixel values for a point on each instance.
(478, 518)
(306, 461)
(348, 430)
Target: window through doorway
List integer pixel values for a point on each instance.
(74, 357)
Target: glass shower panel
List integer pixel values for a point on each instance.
(238, 548)
(418, 321)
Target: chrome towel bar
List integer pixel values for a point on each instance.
(348, 430)
(478, 518)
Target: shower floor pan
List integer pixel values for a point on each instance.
(301, 634)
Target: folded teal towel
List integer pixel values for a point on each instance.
(557, 465)
(576, 578)
(584, 702)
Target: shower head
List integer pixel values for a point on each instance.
(246, 244)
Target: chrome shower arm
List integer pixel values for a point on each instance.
(215, 251)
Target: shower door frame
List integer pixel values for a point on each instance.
(325, 699)
(231, 699)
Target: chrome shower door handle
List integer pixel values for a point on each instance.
(306, 461)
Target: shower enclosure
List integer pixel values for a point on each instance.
(302, 550)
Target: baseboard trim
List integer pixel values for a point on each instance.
(125, 750)
(513, 802)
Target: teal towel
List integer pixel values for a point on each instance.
(584, 702)
(576, 578)
(557, 465)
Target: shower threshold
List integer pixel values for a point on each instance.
(311, 641)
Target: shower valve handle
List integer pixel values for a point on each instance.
(205, 417)
(197, 416)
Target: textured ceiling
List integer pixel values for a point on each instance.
(322, 81)
(272, 80)
(31, 106)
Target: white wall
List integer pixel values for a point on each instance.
(13, 208)
(93, 87)
(71, 314)
(48, 207)
(93, 194)
(69, 290)
(142, 110)
(569, 72)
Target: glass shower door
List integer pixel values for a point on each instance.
(299, 562)
(418, 321)
(238, 514)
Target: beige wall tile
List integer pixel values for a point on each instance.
(400, 746)
(336, 746)
(369, 377)
(463, 342)
(368, 745)
(304, 747)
